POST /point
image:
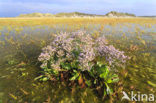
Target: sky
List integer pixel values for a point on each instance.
(12, 8)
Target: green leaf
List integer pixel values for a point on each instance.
(105, 93)
(38, 77)
(95, 81)
(75, 71)
(45, 79)
(108, 90)
(152, 84)
(74, 64)
(88, 82)
(109, 81)
(55, 72)
(75, 76)
(66, 66)
(91, 73)
(113, 78)
(103, 71)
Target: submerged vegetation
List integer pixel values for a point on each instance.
(83, 60)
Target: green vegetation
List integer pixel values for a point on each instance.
(76, 14)
(118, 14)
(37, 15)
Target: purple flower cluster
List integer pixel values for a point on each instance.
(111, 54)
(86, 56)
(64, 44)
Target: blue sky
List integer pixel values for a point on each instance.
(11, 8)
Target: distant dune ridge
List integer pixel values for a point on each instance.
(36, 15)
(77, 14)
(119, 14)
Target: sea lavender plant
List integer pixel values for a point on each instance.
(78, 52)
(81, 47)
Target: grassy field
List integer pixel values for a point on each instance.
(72, 21)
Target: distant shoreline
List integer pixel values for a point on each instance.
(77, 14)
(75, 17)
(112, 14)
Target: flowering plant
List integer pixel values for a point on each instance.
(81, 54)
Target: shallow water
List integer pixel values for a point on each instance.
(19, 67)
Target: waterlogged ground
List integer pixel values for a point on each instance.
(21, 41)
